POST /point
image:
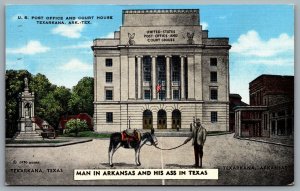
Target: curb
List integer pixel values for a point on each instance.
(72, 142)
(268, 142)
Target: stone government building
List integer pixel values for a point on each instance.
(161, 70)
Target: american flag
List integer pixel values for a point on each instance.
(158, 87)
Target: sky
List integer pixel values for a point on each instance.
(261, 36)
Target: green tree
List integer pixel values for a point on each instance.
(76, 126)
(82, 97)
(41, 87)
(51, 101)
(54, 104)
(63, 95)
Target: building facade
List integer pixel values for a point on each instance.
(234, 100)
(271, 110)
(160, 71)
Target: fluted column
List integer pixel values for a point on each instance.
(139, 69)
(153, 76)
(168, 78)
(182, 82)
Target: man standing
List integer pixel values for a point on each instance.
(199, 136)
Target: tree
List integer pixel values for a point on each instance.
(41, 87)
(54, 104)
(51, 101)
(63, 95)
(76, 126)
(82, 97)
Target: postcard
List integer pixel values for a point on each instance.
(149, 95)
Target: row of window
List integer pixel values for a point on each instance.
(147, 94)
(161, 70)
(161, 75)
(213, 117)
(162, 94)
(109, 77)
(109, 62)
(214, 90)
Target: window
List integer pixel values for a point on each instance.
(161, 69)
(108, 62)
(147, 68)
(147, 94)
(109, 77)
(213, 94)
(162, 94)
(213, 61)
(176, 94)
(213, 77)
(175, 68)
(109, 95)
(109, 117)
(214, 116)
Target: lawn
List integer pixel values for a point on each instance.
(91, 134)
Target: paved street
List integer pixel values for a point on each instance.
(240, 162)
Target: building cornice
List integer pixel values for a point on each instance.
(161, 11)
(217, 47)
(250, 108)
(161, 46)
(147, 46)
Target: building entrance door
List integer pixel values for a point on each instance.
(176, 119)
(161, 119)
(147, 119)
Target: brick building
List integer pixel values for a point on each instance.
(234, 100)
(271, 110)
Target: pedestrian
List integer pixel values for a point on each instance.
(199, 136)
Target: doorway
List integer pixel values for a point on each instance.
(147, 119)
(176, 119)
(161, 119)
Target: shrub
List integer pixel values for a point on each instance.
(76, 126)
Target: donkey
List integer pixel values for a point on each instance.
(117, 142)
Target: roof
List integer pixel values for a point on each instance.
(271, 76)
(232, 105)
(235, 96)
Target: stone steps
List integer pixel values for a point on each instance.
(28, 136)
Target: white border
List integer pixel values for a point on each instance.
(124, 2)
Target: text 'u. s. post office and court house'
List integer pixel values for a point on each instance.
(160, 71)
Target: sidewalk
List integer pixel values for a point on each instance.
(58, 142)
(288, 142)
